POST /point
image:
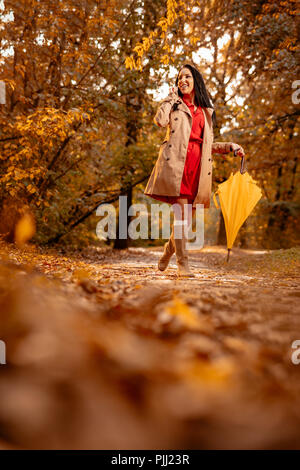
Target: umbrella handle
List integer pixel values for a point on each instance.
(243, 165)
(243, 168)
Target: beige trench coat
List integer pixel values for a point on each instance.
(166, 176)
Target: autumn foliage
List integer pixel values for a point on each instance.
(76, 126)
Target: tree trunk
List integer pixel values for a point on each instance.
(122, 243)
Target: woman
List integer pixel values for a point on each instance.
(183, 171)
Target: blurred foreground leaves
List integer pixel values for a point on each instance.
(99, 358)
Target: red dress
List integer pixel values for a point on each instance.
(192, 166)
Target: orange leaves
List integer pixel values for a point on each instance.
(186, 315)
(178, 316)
(49, 122)
(162, 27)
(194, 40)
(130, 62)
(163, 24)
(139, 49)
(215, 373)
(40, 133)
(165, 59)
(31, 188)
(171, 11)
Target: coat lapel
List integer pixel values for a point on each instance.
(208, 114)
(184, 107)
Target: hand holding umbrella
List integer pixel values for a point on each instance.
(238, 150)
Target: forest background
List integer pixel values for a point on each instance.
(83, 79)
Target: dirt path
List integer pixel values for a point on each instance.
(104, 351)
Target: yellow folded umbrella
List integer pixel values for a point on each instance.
(238, 196)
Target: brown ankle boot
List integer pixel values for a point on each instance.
(169, 249)
(182, 257)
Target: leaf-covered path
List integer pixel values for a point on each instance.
(104, 351)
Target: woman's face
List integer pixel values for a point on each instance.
(185, 81)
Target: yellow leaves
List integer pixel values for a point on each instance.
(147, 42)
(153, 34)
(184, 312)
(289, 44)
(48, 124)
(139, 64)
(165, 59)
(25, 229)
(139, 49)
(77, 114)
(129, 62)
(199, 3)
(143, 47)
(162, 26)
(18, 174)
(79, 274)
(215, 373)
(194, 40)
(171, 11)
(132, 64)
(31, 189)
(182, 7)
(187, 316)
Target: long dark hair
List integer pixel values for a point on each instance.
(201, 94)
